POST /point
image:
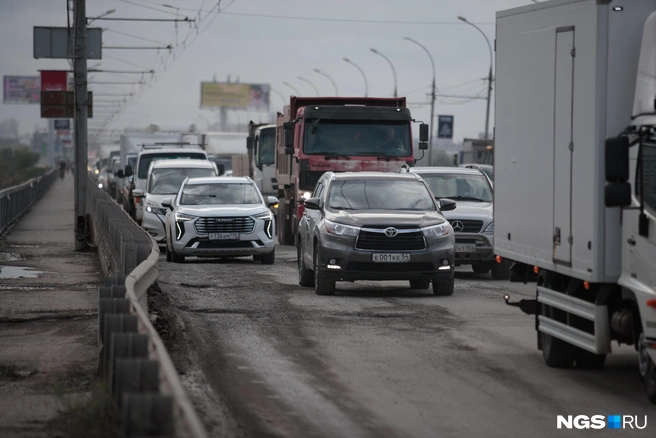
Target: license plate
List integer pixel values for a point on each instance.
(465, 248)
(391, 258)
(224, 236)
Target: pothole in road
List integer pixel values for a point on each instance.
(10, 257)
(19, 272)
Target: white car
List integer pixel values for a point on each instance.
(164, 180)
(220, 217)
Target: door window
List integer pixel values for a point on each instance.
(648, 167)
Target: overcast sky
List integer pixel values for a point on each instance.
(271, 51)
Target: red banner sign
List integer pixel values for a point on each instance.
(54, 80)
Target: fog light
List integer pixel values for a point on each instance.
(332, 261)
(445, 262)
(334, 267)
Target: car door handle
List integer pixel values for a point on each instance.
(631, 241)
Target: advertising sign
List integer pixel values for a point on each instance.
(21, 89)
(236, 96)
(54, 80)
(445, 127)
(62, 125)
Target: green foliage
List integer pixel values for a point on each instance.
(17, 165)
(94, 416)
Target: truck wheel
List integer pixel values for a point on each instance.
(586, 360)
(647, 369)
(419, 284)
(482, 267)
(270, 258)
(305, 276)
(442, 287)
(285, 236)
(500, 271)
(322, 286)
(555, 352)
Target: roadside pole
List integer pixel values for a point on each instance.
(51, 143)
(80, 78)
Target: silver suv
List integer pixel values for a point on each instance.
(473, 221)
(375, 226)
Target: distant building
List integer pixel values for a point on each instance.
(9, 129)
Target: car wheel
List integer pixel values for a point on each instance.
(500, 271)
(176, 258)
(257, 258)
(168, 254)
(305, 276)
(322, 286)
(482, 267)
(270, 258)
(443, 287)
(419, 284)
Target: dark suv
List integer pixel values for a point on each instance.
(375, 226)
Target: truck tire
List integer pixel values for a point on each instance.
(322, 286)
(482, 267)
(269, 258)
(590, 361)
(305, 276)
(500, 271)
(285, 236)
(647, 369)
(419, 284)
(443, 287)
(555, 352)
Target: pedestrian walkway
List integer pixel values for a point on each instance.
(48, 315)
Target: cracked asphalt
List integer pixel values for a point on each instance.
(262, 356)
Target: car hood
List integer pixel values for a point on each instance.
(222, 210)
(384, 218)
(471, 210)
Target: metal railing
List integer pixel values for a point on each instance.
(132, 357)
(15, 201)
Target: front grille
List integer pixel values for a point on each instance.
(468, 225)
(369, 240)
(390, 267)
(206, 225)
(218, 244)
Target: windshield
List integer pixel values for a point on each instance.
(379, 194)
(219, 194)
(145, 160)
(344, 137)
(168, 181)
(454, 186)
(266, 146)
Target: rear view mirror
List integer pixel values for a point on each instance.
(128, 170)
(617, 194)
(617, 159)
(447, 204)
(288, 128)
(271, 200)
(423, 132)
(120, 174)
(137, 193)
(249, 143)
(167, 203)
(423, 146)
(312, 204)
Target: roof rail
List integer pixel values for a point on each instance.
(169, 144)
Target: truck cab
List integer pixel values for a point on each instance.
(261, 146)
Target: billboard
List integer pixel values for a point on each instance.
(235, 96)
(21, 89)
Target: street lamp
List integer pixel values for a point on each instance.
(330, 79)
(111, 11)
(298, 93)
(366, 85)
(316, 90)
(489, 77)
(391, 65)
(432, 119)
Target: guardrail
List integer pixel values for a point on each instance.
(15, 201)
(132, 357)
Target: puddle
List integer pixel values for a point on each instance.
(9, 257)
(19, 272)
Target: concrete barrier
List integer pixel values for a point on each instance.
(132, 357)
(15, 201)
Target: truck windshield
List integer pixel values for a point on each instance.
(168, 181)
(146, 159)
(379, 194)
(219, 193)
(266, 147)
(345, 137)
(459, 186)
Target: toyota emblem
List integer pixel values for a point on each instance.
(458, 226)
(391, 232)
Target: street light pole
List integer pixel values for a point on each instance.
(294, 89)
(489, 77)
(391, 65)
(80, 75)
(316, 90)
(432, 119)
(366, 85)
(330, 79)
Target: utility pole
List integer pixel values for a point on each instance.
(80, 76)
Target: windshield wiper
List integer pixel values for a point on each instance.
(341, 208)
(467, 198)
(329, 155)
(382, 156)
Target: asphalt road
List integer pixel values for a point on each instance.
(262, 356)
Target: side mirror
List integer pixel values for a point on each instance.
(423, 132)
(137, 193)
(288, 128)
(447, 204)
(221, 168)
(271, 200)
(128, 170)
(167, 203)
(423, 146)
(312, 204)
(617, 160)
(617, 194)
(120, 174)
(249, 143)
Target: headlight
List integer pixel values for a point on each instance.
(304, 195)
(96, 171)
(437, 230)
(263, 216)
(184, 217)
(341, 229)
(100, 186)
(155, 210)
(490, 228)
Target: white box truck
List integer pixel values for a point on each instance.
(575, 174)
